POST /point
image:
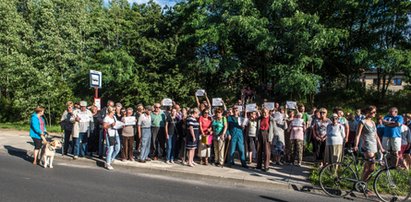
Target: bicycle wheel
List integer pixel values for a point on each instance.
(393, 184)
(337, 179)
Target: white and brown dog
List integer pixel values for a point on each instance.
(49, 150)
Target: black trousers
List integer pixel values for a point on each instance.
(67, 134)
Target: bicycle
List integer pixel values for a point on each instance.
(390, 183)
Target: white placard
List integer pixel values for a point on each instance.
(251, 107)
(97, 103)
(84, 117)
(239, 107)
(119, 125)
(269, 105)
(130, 121)
(200, 92)
(167, 102)
(217, 102)
(291, 105)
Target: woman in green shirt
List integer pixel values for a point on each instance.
(219, 125)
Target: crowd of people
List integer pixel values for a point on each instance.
(212, 135)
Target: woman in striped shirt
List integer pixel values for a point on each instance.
(192, 134)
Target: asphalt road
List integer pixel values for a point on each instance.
(21, 181)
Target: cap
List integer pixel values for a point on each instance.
(83, 104)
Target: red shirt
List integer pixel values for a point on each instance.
(264, 124)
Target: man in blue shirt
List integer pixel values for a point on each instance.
(391, 139)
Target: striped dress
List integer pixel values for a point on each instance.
(191, 121)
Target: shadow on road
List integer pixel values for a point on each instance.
(272, 199)
(17, 152)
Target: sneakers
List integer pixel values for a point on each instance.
(172, 162)
(75, 157)
(109, 167)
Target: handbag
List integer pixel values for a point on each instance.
(112, 140)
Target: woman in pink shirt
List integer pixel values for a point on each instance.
(297, 130)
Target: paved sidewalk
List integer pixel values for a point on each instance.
(286, 177)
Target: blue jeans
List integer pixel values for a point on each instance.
(171, 143)
(80, 145)
(145, 143)
(112, 150)
(237, 141)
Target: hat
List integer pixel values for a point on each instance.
(83, 104)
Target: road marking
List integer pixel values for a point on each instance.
(77, 166)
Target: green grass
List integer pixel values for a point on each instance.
(26, 127)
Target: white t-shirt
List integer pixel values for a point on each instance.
(110, 131)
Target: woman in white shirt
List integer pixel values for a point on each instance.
(112, 138)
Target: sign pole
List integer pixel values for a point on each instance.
(95, 92)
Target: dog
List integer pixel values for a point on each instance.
(49, 150)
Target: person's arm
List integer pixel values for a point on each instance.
(191, 128)
(358, 135)
(198, 101)
(208, 100)
(379, 143)
(225, 128)
(139, 132)
(166, 129)
(347, 131)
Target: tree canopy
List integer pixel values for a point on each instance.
(285, 49)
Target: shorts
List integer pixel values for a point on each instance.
(37, 143)
(404, 150)
(391, 144)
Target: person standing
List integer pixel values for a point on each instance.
(84, 119)
(391, 140)
(158, 119)
(67, 126)
(137, 114)
(37, 131)
(265, 131)
(128, 135)
(236, 125)
(335, 138)
(193, 131)
(219, 126)
(344, 122)
(93, 139)
(204, 151)
(279, 138)
(144, 133)
(320, 135)
(102, 132)
(171, 134)
(251, 135)
(367, 133)
(112, 139)
(297, 131)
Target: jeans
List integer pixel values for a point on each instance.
(80, 145)
(171, 143)
(145, 143)
(237, 141)
(112, 150)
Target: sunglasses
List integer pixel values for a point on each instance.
(323, 112)
(373, 112)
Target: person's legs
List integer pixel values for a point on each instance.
(169, 147)
(162, 142)
(124, 148)
(260, 148)
(369, 165)
(154, 141)
(145, 143)
(241, 151)
(293, 151)
(67, 135)
(101, 147)
(83, 144)
(130, 148)
(173, 145)
(116, 147)
(300, 150)
(267, 151)
(76, 142)
(233, 145)
(110, 150)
